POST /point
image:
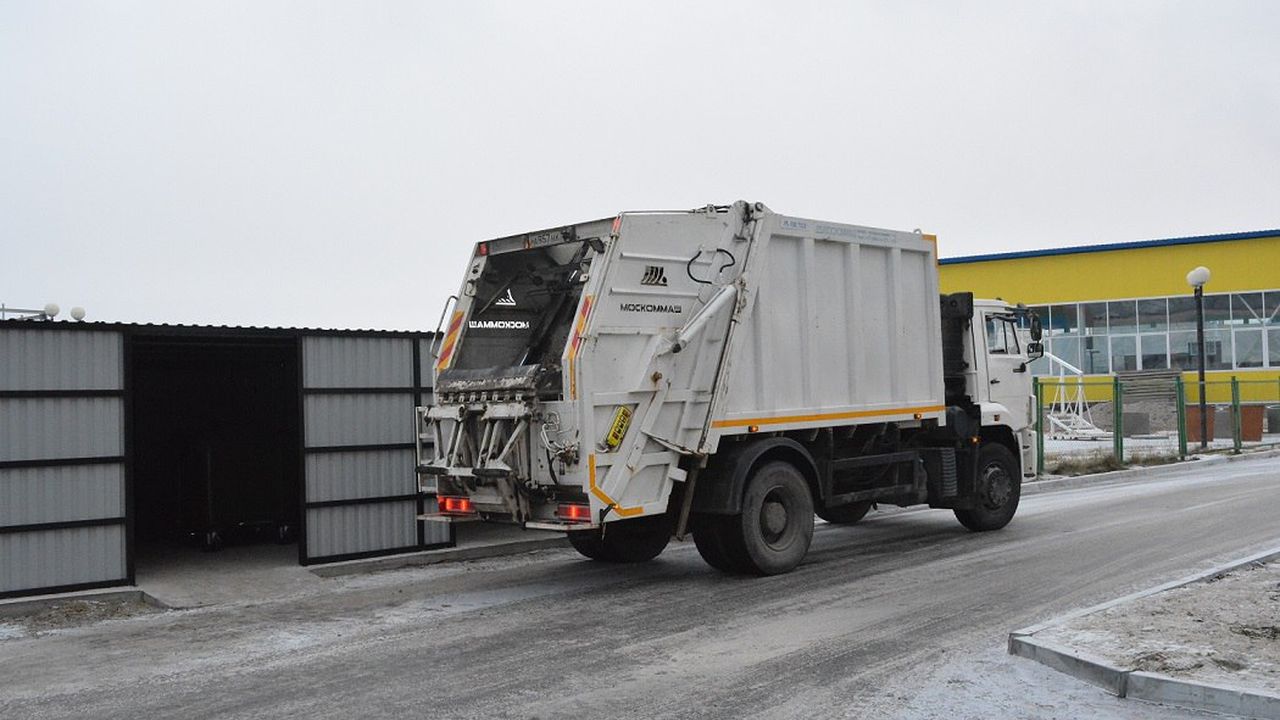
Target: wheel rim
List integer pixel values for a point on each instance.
(774, 518)
(999, 485)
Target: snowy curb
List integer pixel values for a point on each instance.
(433, 557)
(1153, 471)
(18, 607)
(1144, 685)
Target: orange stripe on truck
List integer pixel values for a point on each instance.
(575, 342)
(602, 495)
(450, 341)
(822, 417)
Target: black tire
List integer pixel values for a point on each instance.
(709, 538)
(999, 486)
(845, 514)
(625, 541)
(776, 525)
(590, 544)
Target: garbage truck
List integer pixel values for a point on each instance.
(726, 372)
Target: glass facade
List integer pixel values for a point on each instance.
(1242, 331)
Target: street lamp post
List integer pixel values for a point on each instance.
(1197, 279)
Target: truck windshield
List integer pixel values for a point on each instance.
(523, 307)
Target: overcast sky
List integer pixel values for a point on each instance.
(331, 164)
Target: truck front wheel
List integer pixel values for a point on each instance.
(776, 525)
(999, 487)
(625, 541)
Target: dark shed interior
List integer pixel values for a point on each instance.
(216, 440)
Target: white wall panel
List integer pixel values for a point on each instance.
(45, 359)
(70, 556)
(354, 362)
(359, 474)
(358, 419)
(350, 529)
(53, 428)
(30, 495)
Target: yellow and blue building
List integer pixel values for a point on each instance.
(1127, 306)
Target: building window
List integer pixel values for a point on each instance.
(1155, 352)
(1122, 315)
(1094, 318)
(1096, 354)
(1153, 315)
(1242, 330)
(1217, 310)
(1182, 350)
(1271, 306)
(1182, 313)
(1067, 349)
(1124, 353)
(1247, 309)
(1248, 347)
(1063, 320)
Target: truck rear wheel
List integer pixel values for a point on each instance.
(776, 525)
(625, 541)
(713, 536)
(845, 514)
(999, 487)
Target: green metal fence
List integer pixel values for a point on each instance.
(1101, 422)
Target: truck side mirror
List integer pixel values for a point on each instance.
(1037, 331)
(1035, 349)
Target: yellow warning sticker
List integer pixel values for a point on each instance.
(618, 430)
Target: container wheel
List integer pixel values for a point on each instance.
(845, 514)
(999, 486)
(625, 541)
(776, 524)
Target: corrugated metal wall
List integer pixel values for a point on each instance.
(361, 491)
(62, 459)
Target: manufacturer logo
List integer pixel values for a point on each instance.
(654, 275)
(651, 308)
(507, 300)
(498, 324)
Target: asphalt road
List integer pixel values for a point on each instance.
(871, 619)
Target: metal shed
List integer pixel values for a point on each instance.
(97, 420)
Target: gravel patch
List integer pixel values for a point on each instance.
(73, 613)
(1225, 631)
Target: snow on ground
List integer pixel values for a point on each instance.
(998, 685)
(1224, 632)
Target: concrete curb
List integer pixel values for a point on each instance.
(19, 607)
(434, 557)
(1139, 685)
(1153, 471)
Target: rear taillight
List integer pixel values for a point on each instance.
(573, 512)
(455, 505)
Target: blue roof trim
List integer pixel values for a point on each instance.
(1076, 249)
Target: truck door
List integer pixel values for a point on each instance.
(1006, 368)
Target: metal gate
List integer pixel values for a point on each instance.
(360, 494)
(63, 497)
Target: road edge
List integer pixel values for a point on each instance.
(1072, 482)
(1139, 685)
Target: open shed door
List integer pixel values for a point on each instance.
(360, 493)
(63, 497)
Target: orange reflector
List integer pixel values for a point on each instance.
(482, 249)
(574, 513)
(753, 428)
(455, 505)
